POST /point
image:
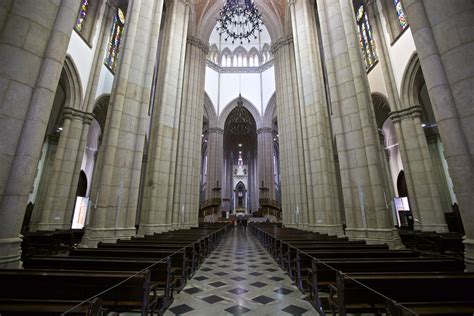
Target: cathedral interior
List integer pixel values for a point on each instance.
(257, 157)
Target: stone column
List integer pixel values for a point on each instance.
(424, 194)
(56, 214)
(90, 94)
(293, 174)
(35, 47)
(367, 214)
(317, 135)
(114, 214)
(159, 193)
(215, 163)
(445, 52)
(265, 163)
(186, 198)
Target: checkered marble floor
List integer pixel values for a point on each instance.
(240, 278)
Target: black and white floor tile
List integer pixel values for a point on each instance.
(240, 278)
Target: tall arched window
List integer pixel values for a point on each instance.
(83, 10)
(402, 19)
(115, 39)
(367, 44)
(86, 18)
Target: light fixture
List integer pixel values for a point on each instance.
(239, 20)
(240, 145)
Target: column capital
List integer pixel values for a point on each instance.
(194, 41)
(216, 130)
(411, 112)
(264, 130)
(283, 41)
(74, 114)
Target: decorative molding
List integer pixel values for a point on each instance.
(264, 130)
(216, 130)
(73, 114)
(411, 112)
(285, 40)
(194, 41)
(260, 69)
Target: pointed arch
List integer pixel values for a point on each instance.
(271, 16)
(71, 82)
(100, 110)
(381, 108)
(247, 104)
(270, 111)
(209, 111)
(411, 82)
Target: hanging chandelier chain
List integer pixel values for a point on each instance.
(239, 20)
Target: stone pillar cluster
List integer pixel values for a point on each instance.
(265, 163)
(57, 208)
(366, 208)
(424, 194)
(215, 162)
(442, 31)
(317, 137)
(28, 85)
(121, 155)
(160, 185)
(186, 198)
(292, 161)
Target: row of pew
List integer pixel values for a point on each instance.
(443, 243)
(350, 276)
(50, 242)
(138, 275)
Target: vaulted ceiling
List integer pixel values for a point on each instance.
(205, 13)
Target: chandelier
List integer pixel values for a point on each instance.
(239, 20)
(240, 122)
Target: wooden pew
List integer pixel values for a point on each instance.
(192, 258)
(422, 293)
(323, 273)
(177, 258)
(161, 273)
(53, 292)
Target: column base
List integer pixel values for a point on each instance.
(52, 226)
(387, 236)
(328, 229)
(93, 236)
(469, 254)
(439, 228)
(148, 229)
(10, 253)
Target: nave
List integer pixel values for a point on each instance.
(240, 278)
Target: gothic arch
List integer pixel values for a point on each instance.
(381, 108)
(209, 111)
(271, 16)
(100, 110)
(270, 111)
(248, 105)
(411, 82)
(71, 83)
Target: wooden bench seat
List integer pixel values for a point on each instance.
(161, 273)
(54, 292)
(178, 258)
(421, 292)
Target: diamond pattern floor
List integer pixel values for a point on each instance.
(240, 278)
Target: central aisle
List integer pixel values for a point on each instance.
(240, 278)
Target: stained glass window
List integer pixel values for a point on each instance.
(83, 10)
(366, 40)
(115, 39)
(402, 19)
